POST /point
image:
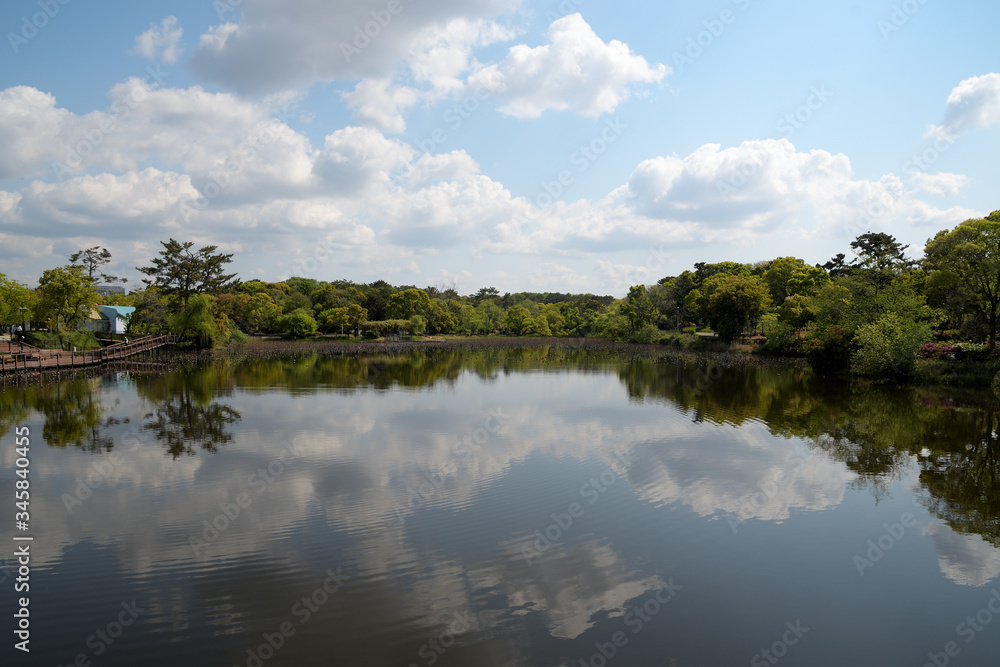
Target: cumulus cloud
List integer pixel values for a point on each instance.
(942, 184)
(379, 103)
(275, 47)
(161, 42)
(575, 71)
(972, 104)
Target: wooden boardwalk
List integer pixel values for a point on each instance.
(20, 358)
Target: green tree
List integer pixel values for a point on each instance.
(404, 304)
(790, 275)
(13, 296)
(260, 313)
(963, 268)
(67, 291)
(93, 259)
(181, 272)
(888, 347)
(196, 324)
(638, 308)
(296, 324)
(349, 317)
(518, 320)
(731, 302)
(418, 325)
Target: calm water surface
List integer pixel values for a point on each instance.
(537, 507)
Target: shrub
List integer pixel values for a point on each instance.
(646, 334)
(827, 349)
(418, 325)
(296, 324)
(888, 347)
(937, 351)
(690, 330)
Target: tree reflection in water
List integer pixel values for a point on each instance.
(876, 431)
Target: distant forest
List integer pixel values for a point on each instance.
(874, 313)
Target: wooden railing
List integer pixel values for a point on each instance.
(32, 358)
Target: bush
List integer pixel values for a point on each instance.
(647, 334)
(888, 347)
(296, 324)
(781, 338)
(418, 325)
(827, 349)
(996, 385)
(690, 330)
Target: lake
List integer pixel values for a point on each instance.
(538, 506)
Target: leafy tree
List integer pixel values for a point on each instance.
(14, 295)
(349, 317)
(731, 302)
(296, 324)
(93, 259)
(150, 316)
(888, 347)
(418, 325)
(518, 320)
(638, 308)
(180, 272)
(67, 291)
(294, 301)
(196, 324)
(790, 275)
(485, 293)
(964, 269)
(798, 310)
(404, 304)
(491, 316)
(260, 313)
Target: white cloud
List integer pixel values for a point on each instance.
(161, 41)
(379, 103)
(972, 104)
(942, 184)
(576, 71)
(31, 129)
(292, 44)
(925, 215)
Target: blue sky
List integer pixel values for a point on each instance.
(557, 146)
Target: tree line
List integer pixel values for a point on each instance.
(873, 312)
